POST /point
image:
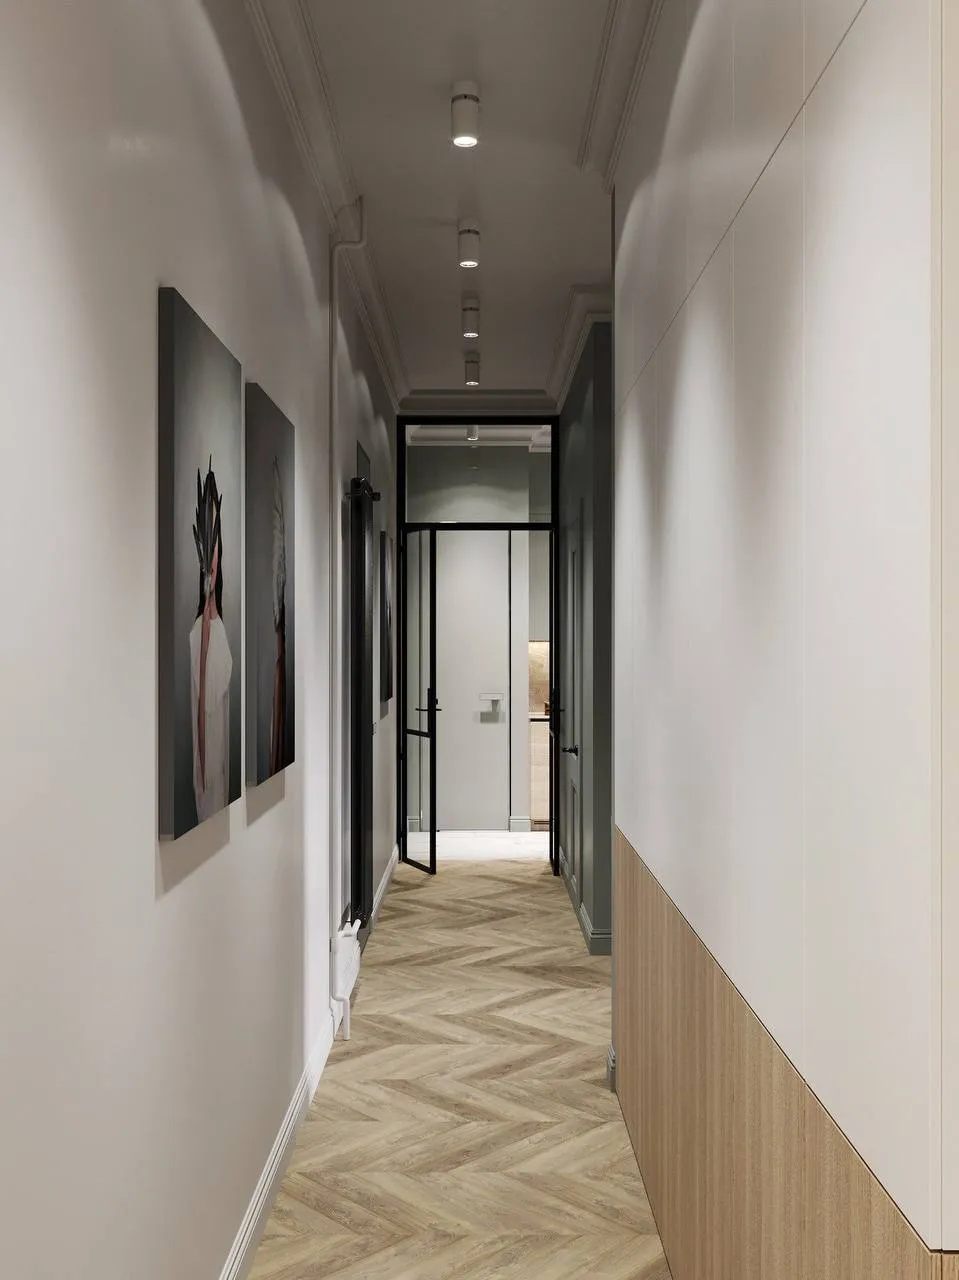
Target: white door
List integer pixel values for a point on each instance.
(472, 680)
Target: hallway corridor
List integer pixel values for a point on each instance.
(466, 1129)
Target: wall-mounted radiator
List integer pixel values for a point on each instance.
(346, 969)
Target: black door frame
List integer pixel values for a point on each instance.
(429, 733)
(404, 528)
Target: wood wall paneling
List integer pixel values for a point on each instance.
(748, 1176)
(853, 1229)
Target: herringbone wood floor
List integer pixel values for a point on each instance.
(466, 1131)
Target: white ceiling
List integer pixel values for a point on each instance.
(554, 76)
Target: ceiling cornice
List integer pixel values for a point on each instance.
(459, 403)
(288, 38)
(613, 13)
(587, 305)
(632, 93)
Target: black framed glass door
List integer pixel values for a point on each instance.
(420, 703)
(441, 489)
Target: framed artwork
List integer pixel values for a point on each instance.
(270, 593)
(386, 617)
(199, 570)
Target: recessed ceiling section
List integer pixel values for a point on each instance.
(531, 436)
(392, 73)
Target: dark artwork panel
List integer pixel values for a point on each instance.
(199, 548)
(386, 617)
(270, 599)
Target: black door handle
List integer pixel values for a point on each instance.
(571, 751)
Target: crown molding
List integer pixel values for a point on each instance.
(460, 403)
(290, 45)
(613, 14)
(587, 305)
(621, 60)
(632, 93)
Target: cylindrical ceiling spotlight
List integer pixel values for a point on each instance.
(464, 113)
(471, 308)
(472, 434)
(469, 244)
(472, 369)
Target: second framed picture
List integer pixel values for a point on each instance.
(270, 591)
(386, 617)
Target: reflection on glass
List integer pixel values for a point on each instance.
(501, 477)
(539, 734)
(418, 817)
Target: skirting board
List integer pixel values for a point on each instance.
(254, 1220)
(569, 877)
(519, 825)
(384, 884)
(240, 1258)
(598, 942)
(747, 1173)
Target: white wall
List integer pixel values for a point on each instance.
(367, 418)
(158, 1004)
(776, 606)
(949, 440)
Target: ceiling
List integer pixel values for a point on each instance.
(555, 79)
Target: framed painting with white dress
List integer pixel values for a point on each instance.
(199, 562)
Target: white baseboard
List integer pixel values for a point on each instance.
(258, 1211)
(385, 882)
(518, 825)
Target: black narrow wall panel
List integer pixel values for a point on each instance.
(361, 697)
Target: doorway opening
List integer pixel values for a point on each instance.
(477, 646)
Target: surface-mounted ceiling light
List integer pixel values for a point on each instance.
(471, 317)
(472, 434)
(472, 370)
(469, 243)
(464, 113)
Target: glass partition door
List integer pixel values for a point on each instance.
(418, 834)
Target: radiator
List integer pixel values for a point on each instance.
(346, 969)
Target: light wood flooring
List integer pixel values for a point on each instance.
(466, 1130)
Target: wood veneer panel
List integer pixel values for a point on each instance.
(748, 1176)
(626, 1007)
(713, 1106)
(853, 1229)
(950, 1266)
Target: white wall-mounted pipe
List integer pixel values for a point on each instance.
(338, 248)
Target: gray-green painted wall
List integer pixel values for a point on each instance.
(586, 483)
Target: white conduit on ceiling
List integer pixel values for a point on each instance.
(338, 247)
